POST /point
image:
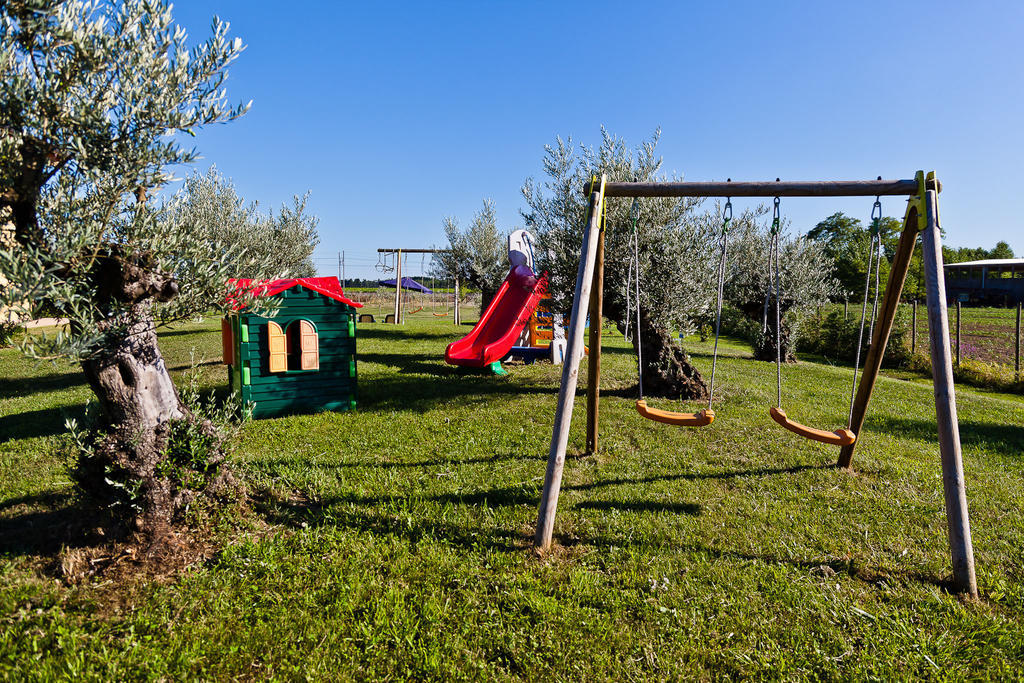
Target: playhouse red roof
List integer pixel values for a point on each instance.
(328, 286)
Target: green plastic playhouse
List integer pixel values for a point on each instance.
(300, 359)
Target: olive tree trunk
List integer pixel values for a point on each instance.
(128, 469)
(486, 295)
(667, 370)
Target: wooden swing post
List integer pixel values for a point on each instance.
(594, 357)
(957, 521)
(570, 373)
(883, 328)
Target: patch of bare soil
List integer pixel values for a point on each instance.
(61, 539)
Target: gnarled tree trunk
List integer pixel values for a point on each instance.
(139, 402)
(667, 370)
(131, 465)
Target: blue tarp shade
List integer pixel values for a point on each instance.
(407, 283)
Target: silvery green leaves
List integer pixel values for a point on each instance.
(93, 101)
(476, 255)
(677, 268)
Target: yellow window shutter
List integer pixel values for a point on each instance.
(278, 348)
(309, 345)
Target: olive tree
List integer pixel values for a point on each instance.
(805, 281)
(675, 243)
(478, 255)
(279, 243)
(93, 101)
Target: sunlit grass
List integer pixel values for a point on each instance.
(402, 539)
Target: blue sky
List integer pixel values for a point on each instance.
(395, 115)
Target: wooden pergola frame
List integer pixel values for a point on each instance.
(922, 218)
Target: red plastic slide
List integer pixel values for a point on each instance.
(502, 322)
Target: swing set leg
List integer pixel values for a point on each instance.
(594, 358)
(923, 217)
(883, 328)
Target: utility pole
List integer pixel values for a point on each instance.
(343, 269)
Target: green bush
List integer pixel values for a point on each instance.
(736, 324)
(835, 339)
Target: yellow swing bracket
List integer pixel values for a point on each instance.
(916, 201)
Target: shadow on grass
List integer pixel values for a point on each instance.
(1005, 439)
(27, 386)
(824, 567)
(365, 514)
(177, 333)
(301, 512)
(403, 333)
(190, 366)
(269, 464)
(699, 476)
(640, 506)
(409, 390)
(406, 364)
(37, 423)
(44, 532)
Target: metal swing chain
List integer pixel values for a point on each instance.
(774, 253)
(874, 257)
(634, 213)
(876, 234)
(723, 249)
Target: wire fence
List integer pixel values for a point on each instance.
(977, 335)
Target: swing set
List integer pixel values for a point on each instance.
(396, 266)
(838, 437)
(921, 219)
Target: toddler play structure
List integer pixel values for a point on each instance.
(921, 220)
(506, 315)
(543, 338)
(299, 357)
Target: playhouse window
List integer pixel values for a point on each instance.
(293, 349)
(303, 346)
(276, 346)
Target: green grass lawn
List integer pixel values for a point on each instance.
(399, 544)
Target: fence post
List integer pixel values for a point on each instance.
(1016, 343)
(846, 309)
(958, 332)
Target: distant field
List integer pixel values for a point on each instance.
(986, 334)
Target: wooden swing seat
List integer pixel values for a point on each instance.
(839, 437)
(701, 419)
